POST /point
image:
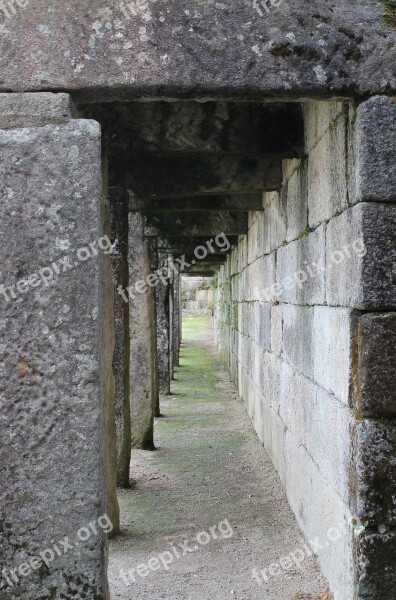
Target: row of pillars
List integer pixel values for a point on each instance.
(147, 329)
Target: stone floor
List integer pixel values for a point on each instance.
(207, 508)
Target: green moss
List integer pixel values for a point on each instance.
(389, 17)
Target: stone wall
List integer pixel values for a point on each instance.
(304, 321)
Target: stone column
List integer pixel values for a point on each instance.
(163, 331)
(176, 329)
(119, 259)
(55, 352)
(142, 336)
(153, 251)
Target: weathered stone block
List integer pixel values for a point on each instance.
(372, 172)
(300, 270)
(35, 110)
(297, 201)
(56, 350)
(319, 115)
(375, 460)
(376, 564)
(262, 322)
(332, 350)
(299, 337)
(363, 268)
(375, 367)
(327, 185)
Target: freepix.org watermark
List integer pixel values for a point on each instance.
(311, 271)
(163, 560)
(11, 577)
(8, 8)
(177, 265)
(298, 556)
(47, 275)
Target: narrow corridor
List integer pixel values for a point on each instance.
(206, 508)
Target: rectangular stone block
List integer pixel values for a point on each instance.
(327, 185)
(376, 556)
(276, 329)
(372, 172)
(375, 461)
(56, 350)
(375, 365)
(300, 270)
(299, 338)
(332, 350)
(318, 117)
(297, 201)
(322, 516)
(35, 109)
(262, 324)
(260, 277)
(361, 257)
(275, 221)
(321, 423)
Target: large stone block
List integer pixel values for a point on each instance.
(375, 460)
(299, 338)
(362, 253)
(300, 270)
(35, 110)
(297, 200)
(119, 50)
(327, 183)
(56, 349)
(322, 516)
(332, 350)
(376, 563)
(321, 423)
(375, 365)
(372, 172)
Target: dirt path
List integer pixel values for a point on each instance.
(207, 508)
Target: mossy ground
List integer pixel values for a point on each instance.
(209, 466)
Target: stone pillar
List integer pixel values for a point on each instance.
(153, 251)
(142, 336)
(176, 328)
(119, 259)
(55, 352)
(163, 331)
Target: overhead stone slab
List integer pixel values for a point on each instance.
(246, 128)
(196, 224)
(102, 50)
(235, 203)
(179, 176)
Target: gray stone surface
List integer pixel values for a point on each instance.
(163, 332)
(376, 563)
(142, 337)
(375, 366)
(119, 262)
(375, 460)
(363, 279)
(56, 349)
(372, 172)
(196, 224)
(34, 110)
(203, 48)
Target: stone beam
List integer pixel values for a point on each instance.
(196, 224)
(245, 128)
(179, 176)
(182, 49)
(234, 203)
